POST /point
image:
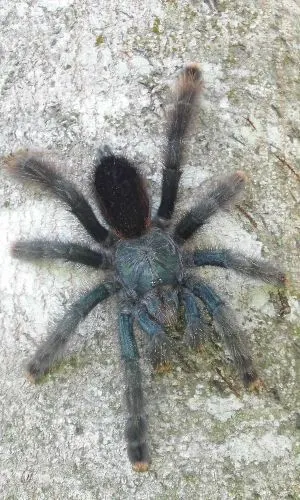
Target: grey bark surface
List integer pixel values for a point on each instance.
(79, 74)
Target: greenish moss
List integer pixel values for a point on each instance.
(231, 59)
(296, 331)
(156, 26)
(63, 367)
(99, 40)
(222, 7)
(189, 12)
(233, 96)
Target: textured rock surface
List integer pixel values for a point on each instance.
(77, 74)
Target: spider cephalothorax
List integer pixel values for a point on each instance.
(151, 270)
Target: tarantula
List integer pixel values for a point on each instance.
(151, 270)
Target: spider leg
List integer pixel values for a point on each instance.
(51, 350)
(195, 324)
(160, 344)
(72, 252)
(136, 426)
(188, 87)
(238, 262)
(218, 197)
(27, 166)
(228, 328)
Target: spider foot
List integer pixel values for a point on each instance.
(36, 369)
(200, 348)
(190, 79)
(34, 378)
(162, 368)
(241, 176)
(31, 378)
(253, 382)
(160, 353)
(195, 340)
(137, 448)
(15, 161)
(257, 385)
(196, 343)
(285, 281)
(140, 466)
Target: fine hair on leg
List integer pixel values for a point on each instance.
(217, 198)
(32, 168)
(196, 327)
(160, 345)
(227, 327)
(136, 425)
(230, 332)
(188, 88)
(238, 262)
(52, 348)
(70, 252)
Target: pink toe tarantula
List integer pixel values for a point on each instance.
(149, 270)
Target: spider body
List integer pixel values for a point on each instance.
(150, 271)
(151, 260)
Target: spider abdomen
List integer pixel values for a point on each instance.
(149, 261)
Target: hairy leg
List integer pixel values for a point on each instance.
(188, 87)
(218, 197)
(51, 350)
(195, 324)
(29, 167)
(136, 426)
(238, 262)
(159, 342)
(228, 328)
(72, 252)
